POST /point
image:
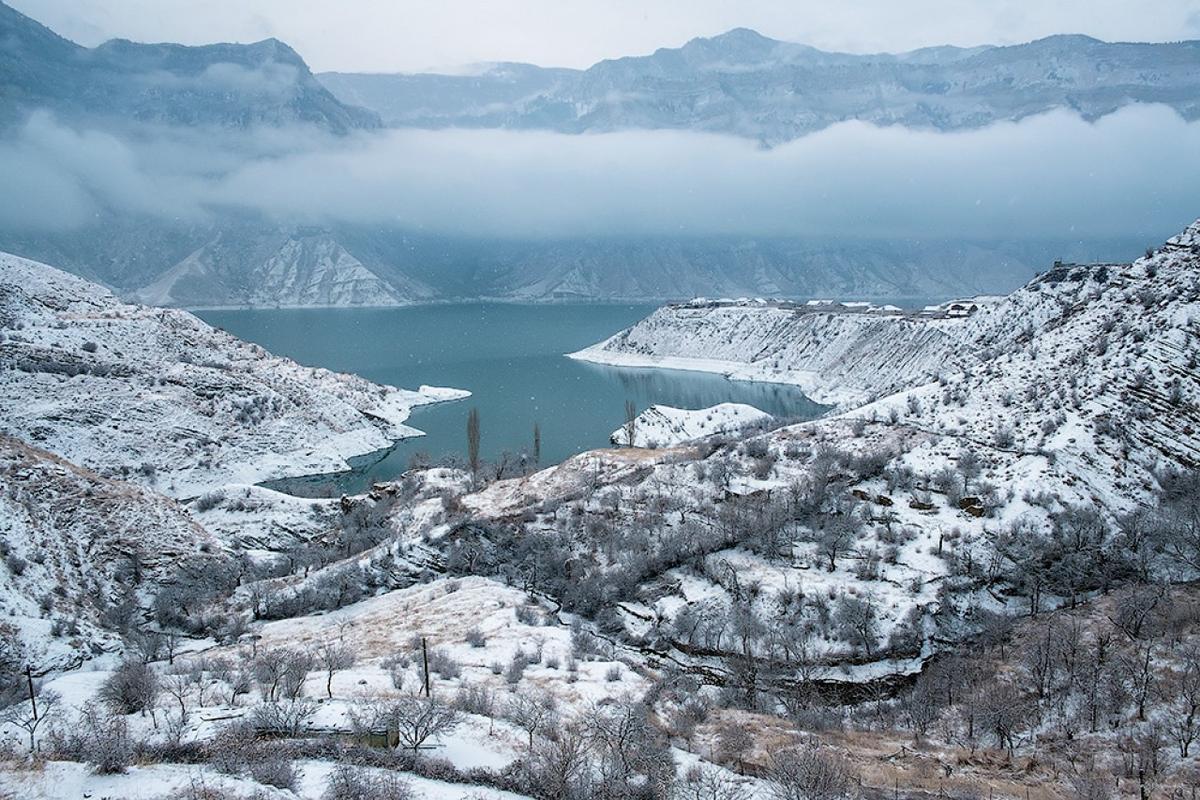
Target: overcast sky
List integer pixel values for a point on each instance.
(402, 35)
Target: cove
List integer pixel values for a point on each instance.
(510, 357)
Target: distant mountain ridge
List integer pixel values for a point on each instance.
(740, 83)
(746, 84)
(230, 85)
(260, 264)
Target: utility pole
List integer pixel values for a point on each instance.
(32, 700)
(425, 658)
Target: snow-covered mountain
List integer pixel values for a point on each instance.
(162, 398)
(227, 85)
(746, 84)
(835, 354)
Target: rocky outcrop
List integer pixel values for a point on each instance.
(288, 271)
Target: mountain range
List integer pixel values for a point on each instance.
(738, 83)
(746, 84)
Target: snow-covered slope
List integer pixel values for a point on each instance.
(663, 426)
(840, 357)
(161, 398)
(1093, 363)
(77, 546)
(289, 271)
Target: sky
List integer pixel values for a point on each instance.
(403, 35)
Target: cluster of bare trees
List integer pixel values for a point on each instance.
(1115, 687)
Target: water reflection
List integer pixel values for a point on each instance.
(700, 390)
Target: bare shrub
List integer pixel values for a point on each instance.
(285, 718)
(131, 688)
(810, 773)
(353, 783)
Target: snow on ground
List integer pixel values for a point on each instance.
(446, 612)
(65, 780)
(62, 780)
(258, 521)
(663, 426)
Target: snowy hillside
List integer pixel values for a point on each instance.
(837, 357)
(165, 400)
(1093, 365)
(77, 547)
(663, 426)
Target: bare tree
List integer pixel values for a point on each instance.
(537, 443)
(178, 685)
(709, 783)
(1003, 711)
(29, 715)
(275, 670)
(630, 425)
(334, 656)
(295, 673)
(532, 712)
(101, 740)
(473, 440)
(283, 718)
(413, 719)
(557, 766)
(733, 742)
(836, 537)
(354, 783)
(858, 622)
(628, 749)
(921, 707)
(1137, 667)
(1184, 695)
(132, 687)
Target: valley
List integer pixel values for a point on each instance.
(717, 597)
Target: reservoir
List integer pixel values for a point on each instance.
(510, 357)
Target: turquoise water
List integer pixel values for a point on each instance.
(510, 357)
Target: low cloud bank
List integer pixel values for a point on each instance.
(1132, 173)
